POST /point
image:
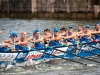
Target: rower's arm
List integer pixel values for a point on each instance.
(23, 43)
(71, 36)
(8, 41)
(39, 40)
(88, 34)
(94, 32)
(98, 32)
(30, 38)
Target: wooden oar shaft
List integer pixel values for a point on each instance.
(78, 56)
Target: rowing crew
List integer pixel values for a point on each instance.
(56, 39)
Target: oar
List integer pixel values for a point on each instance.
(78, 56)
(66, 52)
(65, 58)
(83, 50)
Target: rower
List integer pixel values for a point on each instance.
(4, 46)
(23, 42)
(47, 36)
(80, 29)
(63, 32)
(13, 40)
(37, 41)
(71, 36)
(55, 40)
(85, 37)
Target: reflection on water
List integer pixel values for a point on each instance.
(50, 67)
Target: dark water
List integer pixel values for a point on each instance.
(47, 67)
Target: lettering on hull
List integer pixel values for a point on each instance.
(7, 56)
(90, 47)
(34, 55)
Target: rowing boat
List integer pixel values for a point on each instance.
(69, 52)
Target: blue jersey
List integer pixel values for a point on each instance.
(97, 36)
(4, 49)
(55, 43)
(38, 45)
(85, 39)
(71, 40)
(21, 47)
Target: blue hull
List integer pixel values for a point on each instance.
(52, 53)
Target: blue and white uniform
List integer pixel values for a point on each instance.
(21, 47)
(56, 43)
(71, 40)
(96, 36)
(85, 39)
(38, 45)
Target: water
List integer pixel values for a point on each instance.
(47, 67)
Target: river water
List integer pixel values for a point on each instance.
(46, 67)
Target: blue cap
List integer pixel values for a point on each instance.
(87, 26)
(56, 29)
(35, 31)
(70, 26)
(96, 23)
(13, 34)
